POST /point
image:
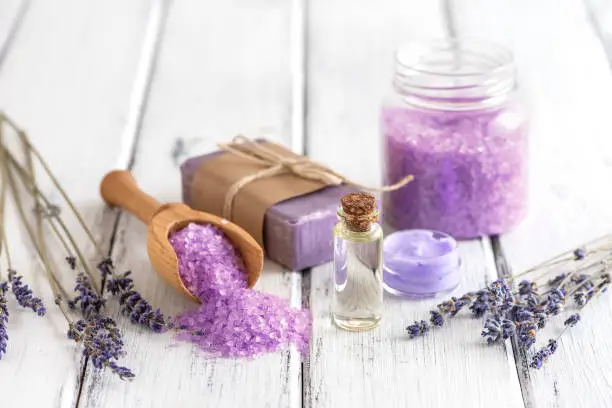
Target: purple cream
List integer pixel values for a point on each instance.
(232, 321)
(420, 263)
(470, 169)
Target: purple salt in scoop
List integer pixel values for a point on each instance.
(232, 321)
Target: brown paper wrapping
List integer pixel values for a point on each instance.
(214, 177)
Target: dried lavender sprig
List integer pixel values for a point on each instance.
(102, 343)
(97, 342)
(584, 292)
(134, 305)
(30, 185)
(55, 284)
(561, 279)
(152, 319)
(55, 182)
(508, 316)
(53, 281)
(478, 302)
(4, 314)
(131, 301)
(540, 357)
(569, 255)
(24, 294)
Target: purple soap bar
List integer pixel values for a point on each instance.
(298, 231)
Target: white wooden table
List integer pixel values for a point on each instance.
(143, 84)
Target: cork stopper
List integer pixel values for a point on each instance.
(359, 211)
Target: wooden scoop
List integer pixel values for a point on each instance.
(119, 189)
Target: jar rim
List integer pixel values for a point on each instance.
(457, 73)
(505, 61)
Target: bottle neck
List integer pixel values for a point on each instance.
(361, 224)
(454, 75)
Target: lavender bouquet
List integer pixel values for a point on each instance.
(521, 305)
(84, 305)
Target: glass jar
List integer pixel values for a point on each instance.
(455, 122)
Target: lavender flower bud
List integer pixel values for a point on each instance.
(521, 314)
(91, 304)
(436, 318)
(75, 330)
(579, 254)
(481, 305)
(526, 333)
(572, 320)
(417, 329)
(580, 298)
(526, 288)
(448, 305)
(123, 372)
(497, 328)
(71, 261)
(541, 356)
(106, 267)
(557, 280)
(540, 318)
(461, 303)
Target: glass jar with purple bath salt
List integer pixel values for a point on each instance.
(454, 121)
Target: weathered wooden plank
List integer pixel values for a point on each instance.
(66, 81)
(449, 367)
(566, 75)
(222, 69)
(351, 45)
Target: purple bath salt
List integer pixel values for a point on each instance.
(232, 321)
(209, 264)
(470, 169)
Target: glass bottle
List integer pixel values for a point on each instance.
(455, 122)
(357, 301)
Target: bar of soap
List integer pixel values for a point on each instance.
(298, 231)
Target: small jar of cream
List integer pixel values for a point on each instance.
(420, 263)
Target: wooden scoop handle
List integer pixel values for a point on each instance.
(119, 189)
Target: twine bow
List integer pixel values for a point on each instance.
(276, 164)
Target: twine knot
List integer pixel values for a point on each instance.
(274, 164)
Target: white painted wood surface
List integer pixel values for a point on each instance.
(309, 74)
(222, 82)
(565, 70)
(350, 70)
(66, 79)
